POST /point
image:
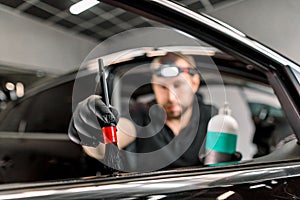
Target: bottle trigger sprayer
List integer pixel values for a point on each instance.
(221, 138)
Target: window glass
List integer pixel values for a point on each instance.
(262, 122)
(12, 118)
(48, 111)
(128, 44)
(51, 110)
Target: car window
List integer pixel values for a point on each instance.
(48, 112)
(128, 44)
(13, 117)
(262, 122)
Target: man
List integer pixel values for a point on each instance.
(174, 134)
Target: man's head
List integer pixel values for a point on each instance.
(175, 81)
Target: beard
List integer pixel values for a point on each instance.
(175, 115)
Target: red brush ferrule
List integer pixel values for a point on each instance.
(109, 134)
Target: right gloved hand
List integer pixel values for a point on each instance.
(89, 117)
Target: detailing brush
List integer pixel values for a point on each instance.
(112, 156)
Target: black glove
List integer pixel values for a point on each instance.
(89, 117)
(236, 156)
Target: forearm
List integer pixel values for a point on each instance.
(95, 152)
(126, 132)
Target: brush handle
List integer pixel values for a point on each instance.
(103, 83)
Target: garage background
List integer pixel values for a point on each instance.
(62, 40)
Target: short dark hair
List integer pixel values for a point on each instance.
(172, 57)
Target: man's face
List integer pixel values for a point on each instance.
(176, 94)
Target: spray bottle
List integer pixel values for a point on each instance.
(221, 138)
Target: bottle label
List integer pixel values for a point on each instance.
(221, 142)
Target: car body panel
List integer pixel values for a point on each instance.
(213, 182)
(54, 152)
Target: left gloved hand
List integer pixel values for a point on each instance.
(236, 156)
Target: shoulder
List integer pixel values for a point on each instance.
(139, 113)
(207, 109)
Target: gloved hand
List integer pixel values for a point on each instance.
(236, 156)
(89, 117)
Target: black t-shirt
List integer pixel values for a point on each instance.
(156, 146)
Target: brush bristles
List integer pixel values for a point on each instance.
(112, 158)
